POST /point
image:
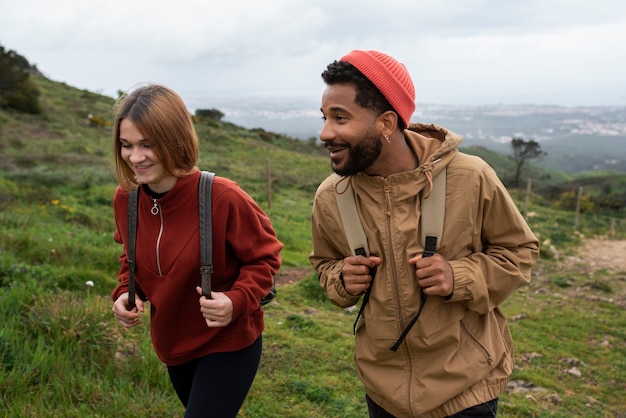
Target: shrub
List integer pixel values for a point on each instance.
(209, 114)
(17, 90)
(567, 201)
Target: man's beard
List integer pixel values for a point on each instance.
(362, 155)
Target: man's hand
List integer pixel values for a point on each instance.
(356, 273)
(434, 275)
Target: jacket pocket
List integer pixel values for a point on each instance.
(437, 316)
(489, 333)
(382, 322)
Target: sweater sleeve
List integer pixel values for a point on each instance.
(120, 209)
(251, 236)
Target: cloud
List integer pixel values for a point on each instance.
(541, 51)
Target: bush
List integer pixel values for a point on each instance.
(209, 114)
(17, 90)
(567, 201)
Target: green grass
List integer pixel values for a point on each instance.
(63, 354)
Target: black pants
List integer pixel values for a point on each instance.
(484, 410)
(216, 385)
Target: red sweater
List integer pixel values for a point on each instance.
(246, 255)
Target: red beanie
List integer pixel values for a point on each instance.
(389, 76)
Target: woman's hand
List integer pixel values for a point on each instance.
(218, 311)
(128, 318)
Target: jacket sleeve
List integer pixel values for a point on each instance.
(250, 234)
(330, 247)
(504, 249)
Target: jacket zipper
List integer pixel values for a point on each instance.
(394, 275)
(156, 210)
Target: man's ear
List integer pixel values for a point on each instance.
(388, 122)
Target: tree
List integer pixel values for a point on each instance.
(522, 152)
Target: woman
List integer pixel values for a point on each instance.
(211, 346)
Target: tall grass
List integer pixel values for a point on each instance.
(63, 354)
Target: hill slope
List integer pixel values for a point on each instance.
(62, 353)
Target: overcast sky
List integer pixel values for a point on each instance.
(563, 52)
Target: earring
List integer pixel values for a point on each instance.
(387, 139)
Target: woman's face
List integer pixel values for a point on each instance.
(138, 153)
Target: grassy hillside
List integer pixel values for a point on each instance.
(62, 354)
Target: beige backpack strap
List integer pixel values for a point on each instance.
(352, 221)
(433, 212)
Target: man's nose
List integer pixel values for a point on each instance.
(327, 133)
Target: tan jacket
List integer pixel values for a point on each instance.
(460, 352)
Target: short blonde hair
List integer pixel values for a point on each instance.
(161, 116)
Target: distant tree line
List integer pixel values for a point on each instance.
(606, 193)
(17, 90)
(214, 114)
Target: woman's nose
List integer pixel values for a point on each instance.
(136, 156)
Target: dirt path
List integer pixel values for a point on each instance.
(597, 254)
(292, 275)
(596, 272)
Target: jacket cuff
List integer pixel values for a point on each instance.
(461, 282)
(346, 298)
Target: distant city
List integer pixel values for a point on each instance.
(301, 118)
(575, 138)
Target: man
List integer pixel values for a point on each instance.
(458, 355)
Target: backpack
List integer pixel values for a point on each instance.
(205, 190)
(433, 210)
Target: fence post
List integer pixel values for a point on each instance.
(612, 230)
(527, 202)
(577, 215)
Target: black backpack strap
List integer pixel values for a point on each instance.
(205, 190)
(130, 250)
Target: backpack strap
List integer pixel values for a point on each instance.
(433, 211)
(352, 222)
(431, 221)
(205, 190)
(130, 250)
